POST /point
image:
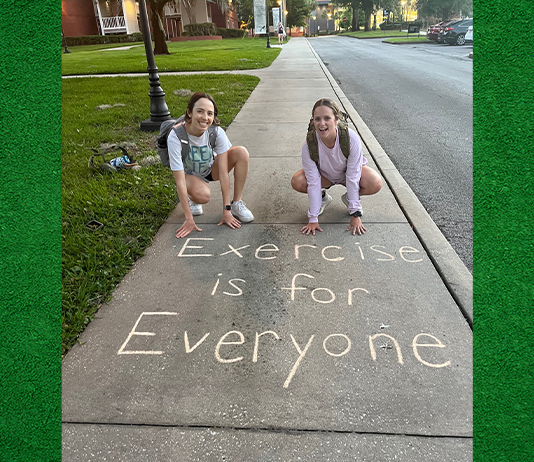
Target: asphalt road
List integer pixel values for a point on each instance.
(417, 101)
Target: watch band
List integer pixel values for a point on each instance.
(358, 213)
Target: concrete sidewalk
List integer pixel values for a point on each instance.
(262, 344)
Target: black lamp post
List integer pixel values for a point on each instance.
(159, 111)
(64, 42)
(268, 33)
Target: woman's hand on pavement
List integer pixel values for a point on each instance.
(186, 228)
(310, 228)
(230, 220)
(356, 226)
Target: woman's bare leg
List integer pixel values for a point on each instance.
(238, 160)
(370, 181)
(300, 184)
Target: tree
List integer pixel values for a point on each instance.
(297, 12)
(444, 9)
(156, 20)
(246, 13)
(354, 5)
(157, 14)
(367, 7)
(346, 13)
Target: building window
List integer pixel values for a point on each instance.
(228, 24)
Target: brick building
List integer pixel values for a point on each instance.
(104, 17)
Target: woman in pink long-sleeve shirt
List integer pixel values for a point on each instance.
(335, 168)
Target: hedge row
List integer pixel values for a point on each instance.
(100, 39)
(200, 29)
(195, 30)
(231, 33)
(397, 25)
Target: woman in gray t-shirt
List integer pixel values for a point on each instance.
(203, 163)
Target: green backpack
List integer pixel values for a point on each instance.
(313, 144)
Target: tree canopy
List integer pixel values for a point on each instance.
(298, 11)
(444, 9)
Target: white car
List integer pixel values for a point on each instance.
(469, 35)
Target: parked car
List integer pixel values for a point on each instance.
(454, 34)
(432, 32)
(469, 35)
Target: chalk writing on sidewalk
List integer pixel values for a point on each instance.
(236, 337)
(331, 253)
(235, 346)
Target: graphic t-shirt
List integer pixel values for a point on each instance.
(200, 157)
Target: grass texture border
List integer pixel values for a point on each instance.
(30, 229)
(30, 235)
(503, 217)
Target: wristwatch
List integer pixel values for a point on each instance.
(358, 213)
(228, 207)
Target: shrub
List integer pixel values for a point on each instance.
(389, 26)
(222, 32)
(231, 33)
(102, 39)
(196, 30)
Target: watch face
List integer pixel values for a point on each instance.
(228, 207)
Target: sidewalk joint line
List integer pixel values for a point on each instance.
(269, 429)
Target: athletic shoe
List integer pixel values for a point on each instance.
(196, 209)
(240, 210)
(327, 198)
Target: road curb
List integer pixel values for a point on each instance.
(402, 43)
(452, 270)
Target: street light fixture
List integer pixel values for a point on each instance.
(159, 111)
(268, 31)
(64, 42)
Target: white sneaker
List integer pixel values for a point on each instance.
(344, 199)
(240, 210)
(327, 199)
(196, 209)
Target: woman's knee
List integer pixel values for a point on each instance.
(371, 182)
(376, 184)
(238, 154)
(201, 196)
(197, 189)
(299, 183)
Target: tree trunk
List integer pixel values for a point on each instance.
(368, 21)
(156, 20)
(355, 19)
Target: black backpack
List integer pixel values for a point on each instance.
(179, 128)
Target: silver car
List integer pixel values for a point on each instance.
(469, 35)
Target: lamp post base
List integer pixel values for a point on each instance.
(150, 125)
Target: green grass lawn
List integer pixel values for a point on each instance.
(376, 33)
(412, 39)
(102, 46)
(131, 204)
(202, 55)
